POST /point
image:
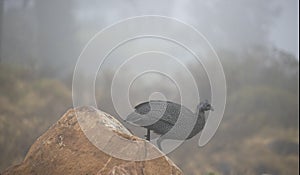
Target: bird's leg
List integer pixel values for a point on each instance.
(159, 140)
(148, 135)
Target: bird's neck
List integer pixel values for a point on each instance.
(199, 123)
(201, 115)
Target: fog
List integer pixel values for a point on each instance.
(57, 31)
(256, 42)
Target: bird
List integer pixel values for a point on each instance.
(169, 119)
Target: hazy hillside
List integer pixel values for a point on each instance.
(258, 134)
(29, 105)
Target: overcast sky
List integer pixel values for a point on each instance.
(234, 24)
(285, 33)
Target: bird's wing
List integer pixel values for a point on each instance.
(148, 113)
(143, 108)
(142, 119)
(141, 104)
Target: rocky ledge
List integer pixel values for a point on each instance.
(64, 149)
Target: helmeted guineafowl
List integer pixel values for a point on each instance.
(161, 117)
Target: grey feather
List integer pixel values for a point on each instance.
(169, 119)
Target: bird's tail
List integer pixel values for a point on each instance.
(131, 118)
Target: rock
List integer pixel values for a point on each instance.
(65, 149)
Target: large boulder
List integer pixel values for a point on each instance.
(65, 149)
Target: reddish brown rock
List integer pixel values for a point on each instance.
(65, 150)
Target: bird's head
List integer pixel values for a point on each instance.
(205, 106)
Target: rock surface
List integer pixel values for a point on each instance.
(65, 150)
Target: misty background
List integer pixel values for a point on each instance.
(256, 41)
